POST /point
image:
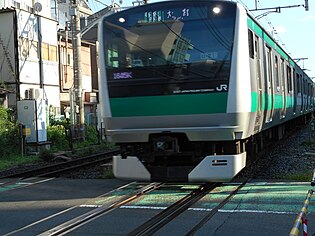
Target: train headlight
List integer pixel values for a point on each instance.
(122, 20)
(216, 10)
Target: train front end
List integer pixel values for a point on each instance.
(172, 94)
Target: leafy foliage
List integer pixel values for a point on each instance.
(8, 134)
(57, 136)
(91, 134)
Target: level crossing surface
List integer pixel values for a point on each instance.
(260, 208)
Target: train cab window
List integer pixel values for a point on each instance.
(112, 57)
(251, 44)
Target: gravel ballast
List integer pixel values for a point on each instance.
(291, 158)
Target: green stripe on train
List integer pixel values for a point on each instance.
(278, 102)
(184, 104)
(252, 24)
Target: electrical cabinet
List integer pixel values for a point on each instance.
(32, 114)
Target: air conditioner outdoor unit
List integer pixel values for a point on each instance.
(32, 93)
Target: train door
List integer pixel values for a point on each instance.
(257, 57)
(289, 87)
(295, 92)
(304, 93)
(270, 86)
(277, 79)
(299, 92)
(283, 90)
(308, 96)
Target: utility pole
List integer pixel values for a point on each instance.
(77, 69)
(276, 9)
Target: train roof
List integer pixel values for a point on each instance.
(90, 32)
(258, 28)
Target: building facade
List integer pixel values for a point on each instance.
(36, 55)
(28, 53)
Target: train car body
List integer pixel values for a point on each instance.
(184, 86)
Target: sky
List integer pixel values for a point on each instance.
(294, 27)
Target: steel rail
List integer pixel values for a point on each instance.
(19, 230)
(167, 215)
(216, 209)
(87, 217)
(66, 166)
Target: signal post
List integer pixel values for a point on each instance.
(77, 71)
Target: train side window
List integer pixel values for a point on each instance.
(269, 64)
(294, 81)
(289, 78)
(301, 83)
(251, 44)
(276, 65)
(298, 83)
(283, 75)
(305, 87)
(308, 94)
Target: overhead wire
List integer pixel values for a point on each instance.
(273, 30)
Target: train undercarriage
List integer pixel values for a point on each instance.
(172, 157)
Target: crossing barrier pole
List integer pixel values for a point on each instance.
(295, 229)
(313, 179)
(304, 226)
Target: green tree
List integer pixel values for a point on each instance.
(8, 134)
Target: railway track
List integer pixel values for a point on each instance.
(170, 213)
(66, 166)
(156, 222)
(216, 209)
(166, 216)
(91, 215)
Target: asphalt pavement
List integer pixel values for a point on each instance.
(259, 208)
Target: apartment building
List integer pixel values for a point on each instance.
(36, 55)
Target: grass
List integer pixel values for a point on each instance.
(8, 162)
(11, 161)
(107, 174)
(93, 148)
(305, 176)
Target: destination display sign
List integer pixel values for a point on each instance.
(167, 14)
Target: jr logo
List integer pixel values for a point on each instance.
(222, 87)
